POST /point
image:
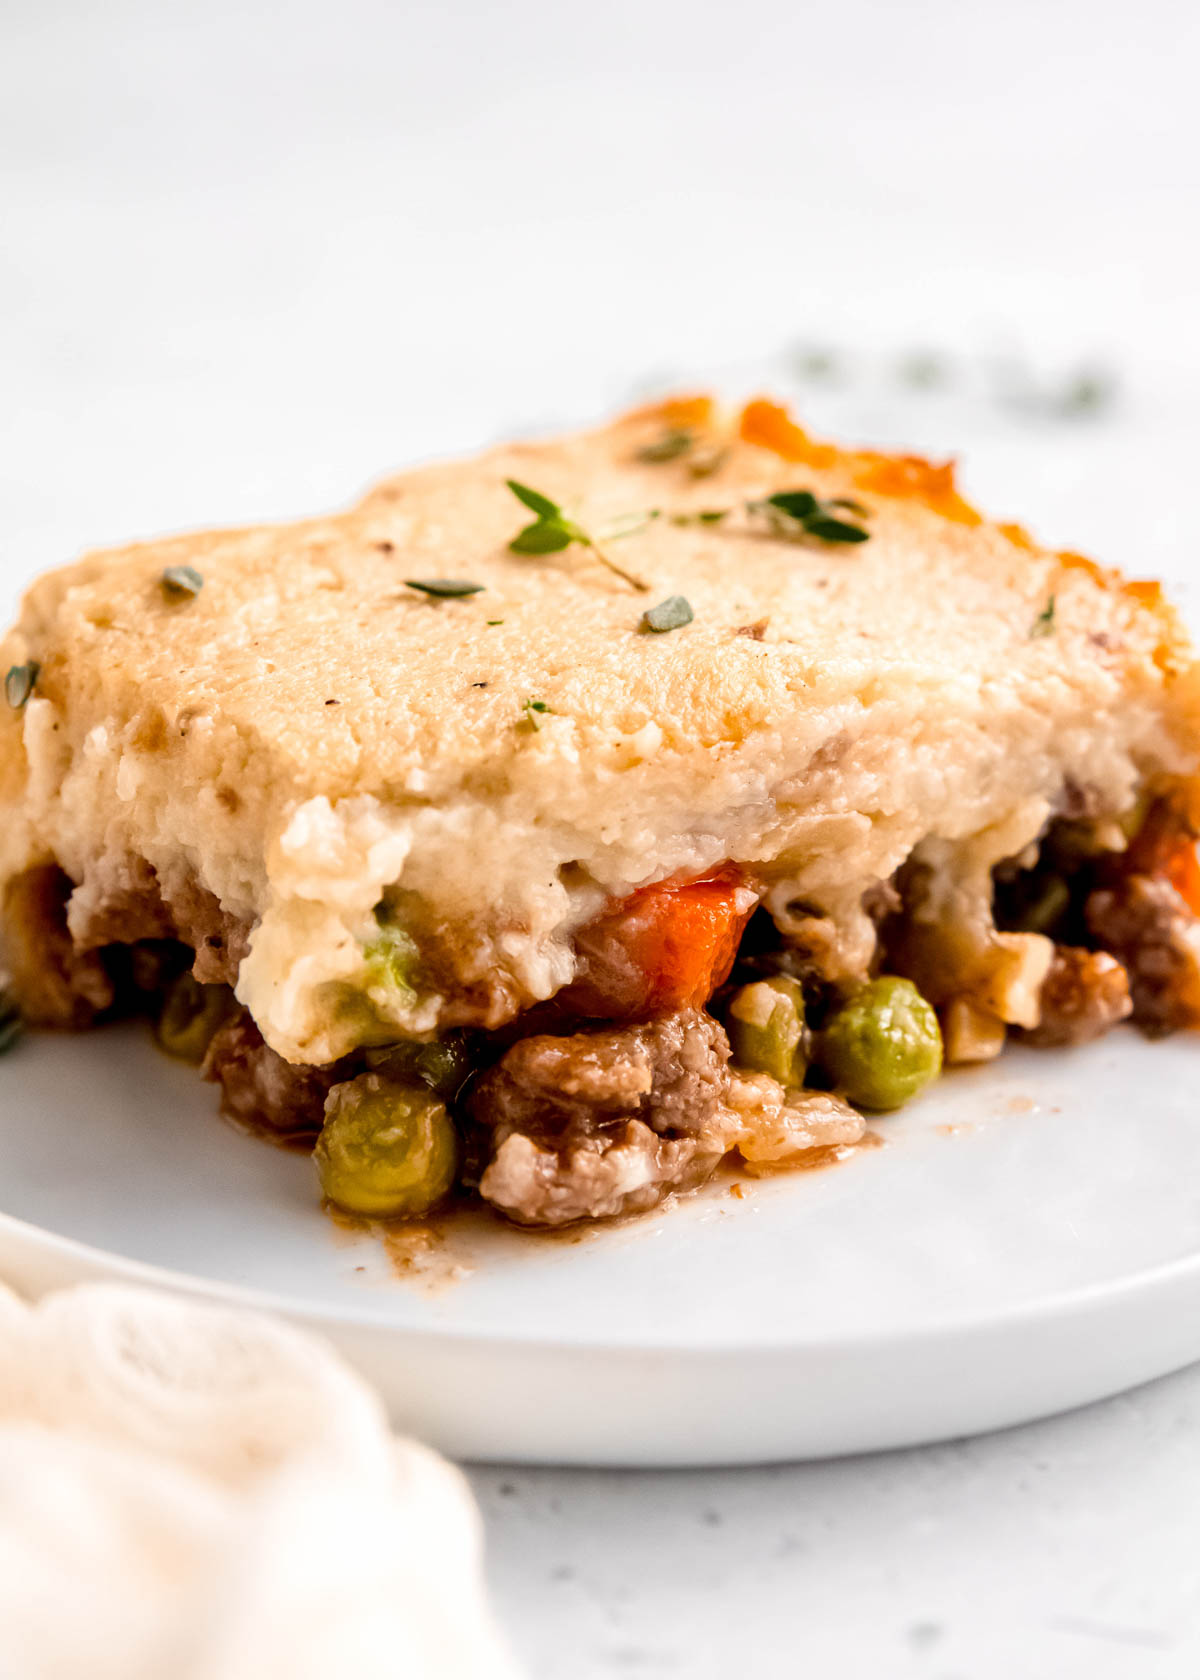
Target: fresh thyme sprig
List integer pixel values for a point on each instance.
(798, 513)
(552, 531)
(791, 514)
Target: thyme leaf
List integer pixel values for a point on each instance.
(444, 589)
(797, 504)
(1043, 624)
(678, 440)
(534, 500)
(19, 683)
(671, 614)
(544, 536)
(835, 531)
(533, 709)
(183, 583)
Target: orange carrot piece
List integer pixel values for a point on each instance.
(667, 946)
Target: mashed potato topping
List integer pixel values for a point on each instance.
(307, 734)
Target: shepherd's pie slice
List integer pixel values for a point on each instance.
(471, 827)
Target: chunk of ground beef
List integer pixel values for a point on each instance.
(219, 938)
(624, 1169)
(1145, 924)
(260, 1090)
(1083, 995)
(603, 1123)
(129, 902)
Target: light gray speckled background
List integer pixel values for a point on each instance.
(251, 256)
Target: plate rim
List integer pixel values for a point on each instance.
(1112, 1294)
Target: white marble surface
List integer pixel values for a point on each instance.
(1064, 1551)
(252, 255)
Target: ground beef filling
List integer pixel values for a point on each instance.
(134, 904)
(75, 957)
(1144, 921)
(601, 1117)
(1124, 923)
(262, 1092)
(603, 1123)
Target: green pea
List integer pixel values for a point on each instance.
(191, 1014)
(766, 1029)
(442, 1063)
(371, 1005)
(390, 959)
(883, 1045)
(386, 1148)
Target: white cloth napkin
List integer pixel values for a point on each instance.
(190, 1492)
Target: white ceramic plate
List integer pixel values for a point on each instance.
(1028, 1239)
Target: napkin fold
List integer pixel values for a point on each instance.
(193, 1492)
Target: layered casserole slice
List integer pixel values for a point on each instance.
(559, 822)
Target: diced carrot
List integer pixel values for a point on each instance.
(665, 947)
(1183, 872)
(1165, 844)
